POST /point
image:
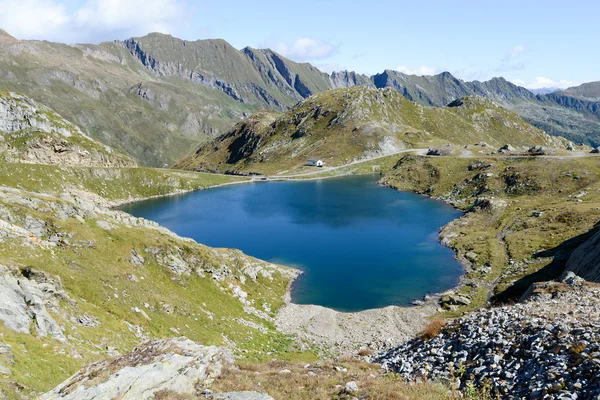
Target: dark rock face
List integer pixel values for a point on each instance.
(585, 260)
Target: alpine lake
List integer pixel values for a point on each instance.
(359, 245)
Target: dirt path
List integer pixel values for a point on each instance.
(420, 152)
(423, 152)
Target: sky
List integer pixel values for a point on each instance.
(532, 43)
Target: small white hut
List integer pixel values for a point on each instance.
(315, 162)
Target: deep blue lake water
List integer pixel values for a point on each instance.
(360, 245)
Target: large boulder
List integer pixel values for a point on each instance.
(171, 367)
(585, 260)
(27, 297)
(441, 151)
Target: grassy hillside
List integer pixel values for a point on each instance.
(345, 125)
(526, 215)
(110, 280)
(113, 185)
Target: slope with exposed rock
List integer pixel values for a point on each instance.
(345, 125)
(32, 133)
(154, 97)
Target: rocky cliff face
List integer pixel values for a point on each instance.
(28, 298)
(585, 260)
(32, 133)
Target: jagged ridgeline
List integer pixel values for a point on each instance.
(33, 133)
(345, 125)
(156, 97)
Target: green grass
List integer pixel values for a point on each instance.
(343, 125)
(113, 184)
(511, 233)
(99, 278)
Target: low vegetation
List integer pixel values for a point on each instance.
(433, 329)
(345, 125)
(325, 381)
(524, 216)
(115, 185)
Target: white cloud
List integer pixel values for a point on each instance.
(515, 51)
(303, 49)
(32, 18)
(95, 20)
(422, 70)
(540, 82)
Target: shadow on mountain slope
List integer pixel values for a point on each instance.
(560, 255)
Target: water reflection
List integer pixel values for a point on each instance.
(360, 245)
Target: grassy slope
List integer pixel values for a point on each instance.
(116, 185)
(513, 246)
(95, 271)
(95, 87)
(348, 124)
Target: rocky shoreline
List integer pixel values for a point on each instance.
(547, 346)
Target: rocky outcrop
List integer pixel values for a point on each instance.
(585, 260)
(32, 133)
(346, 79)
(158, 367)
(546, 347)
(29, 298)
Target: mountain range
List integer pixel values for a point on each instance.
(157, 98)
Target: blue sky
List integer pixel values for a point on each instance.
(530, 42)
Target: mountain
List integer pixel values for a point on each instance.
(157, 97)
(544, 90)
(345, 125)
(587, 91)
(32, 133)
(440, 90)
(573, 113)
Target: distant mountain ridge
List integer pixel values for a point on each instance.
(157, 97)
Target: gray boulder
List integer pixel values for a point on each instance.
(26, 302)
(537, 151)
(507, 147)
(454, 299)
(174, 367)
(442, 151)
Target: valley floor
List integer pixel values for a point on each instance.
(101, 281)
